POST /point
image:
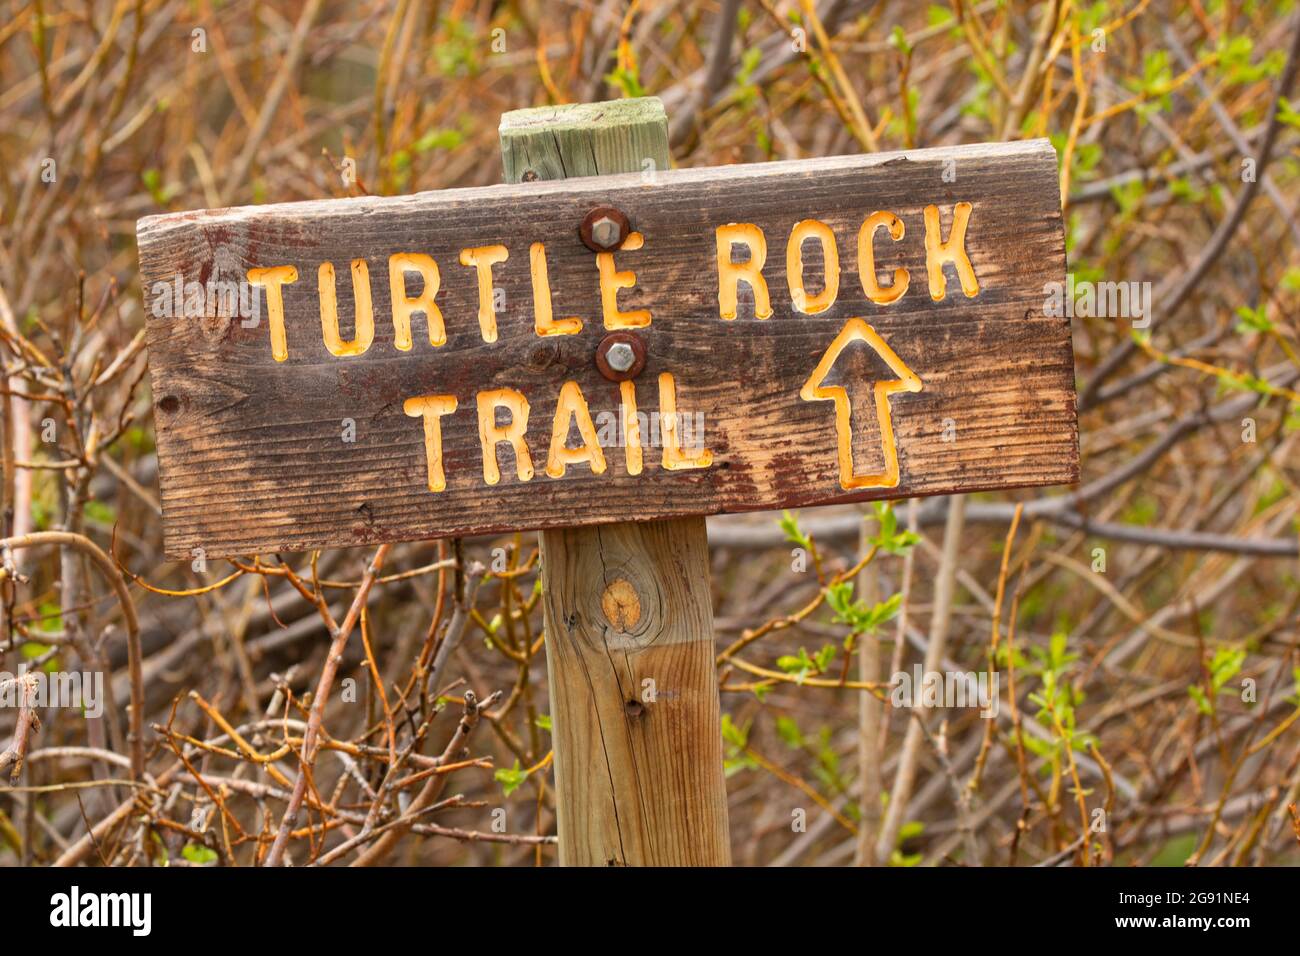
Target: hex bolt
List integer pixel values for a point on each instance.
(604, 232)
(620, 357)
(604, 229)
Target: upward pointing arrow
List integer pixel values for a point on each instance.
(857, 330)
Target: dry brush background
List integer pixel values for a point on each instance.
(1143, 624)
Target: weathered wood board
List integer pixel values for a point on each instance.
(307, 429)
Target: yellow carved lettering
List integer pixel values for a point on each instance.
(731, 274)
(483, 258)
(938, 252)
(674, 457)
(799, 297)
(572, 407)
(431, 408)
(542, 317)
(490, 433)
(881, 295)
(399, 265)
(611, 281)
(631, 428)
(272, 279)
(329, 310)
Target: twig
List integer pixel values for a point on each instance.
(333, 658)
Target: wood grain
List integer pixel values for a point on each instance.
(634, 695)
(251, 453)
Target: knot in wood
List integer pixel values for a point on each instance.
(621, 605)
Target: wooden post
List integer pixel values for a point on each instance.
(628, 613)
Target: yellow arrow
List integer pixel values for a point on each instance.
(857, 330)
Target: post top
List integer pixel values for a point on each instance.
(628, 112)
(584, 139)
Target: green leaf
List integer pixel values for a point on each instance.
(788, 731)
(800, 665)
(887, 519)
(898, 40)
(858, 615)
(1253, 320)
(199, 854)
(152, 179)
(1225, 665)
(839, 597)
(910, 831)
(627, 81)
(889, 539)
(1037, 747)
(937, 16)
(733, 734)
(438, 139)
(884, 611)
(734, 765)
(99, 512)
(790, 526)
(457, 54)
(737, 739)
(749, 61)
(50, 617)
(1183, 188)
(1288, 114)
(511, 778)
(1128, 196)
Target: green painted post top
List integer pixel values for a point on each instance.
(585, 139)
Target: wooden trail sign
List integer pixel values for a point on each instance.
(752, 337)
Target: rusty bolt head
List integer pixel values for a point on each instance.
(604, 232)
(604, 229)
(620, 356)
